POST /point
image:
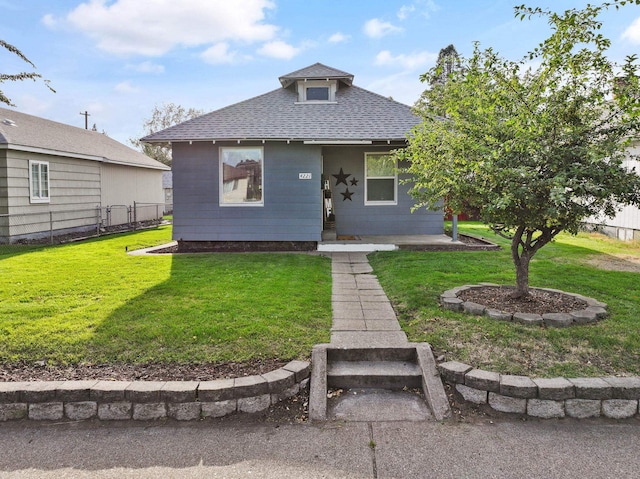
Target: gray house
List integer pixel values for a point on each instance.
(280, 169)
(57, 179)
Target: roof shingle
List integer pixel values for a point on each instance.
(357, 114)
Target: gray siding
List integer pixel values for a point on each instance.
(355, 218)
(292, 207)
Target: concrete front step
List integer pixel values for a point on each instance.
(345, 367)
(373, 374)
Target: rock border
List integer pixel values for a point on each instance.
(610, 397)
(594, 311)
(150, 400)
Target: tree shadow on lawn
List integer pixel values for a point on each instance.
(223, 307)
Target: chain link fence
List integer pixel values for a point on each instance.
(58, 226)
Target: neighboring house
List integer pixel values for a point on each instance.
(254, 172)
(167, 187)
(58, 177)
(626, 224)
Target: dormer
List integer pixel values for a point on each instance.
(317, 83)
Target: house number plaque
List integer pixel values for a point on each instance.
(304, 176)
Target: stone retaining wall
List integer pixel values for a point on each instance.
(149, 400)
(611, 397)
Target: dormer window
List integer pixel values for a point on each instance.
(317, 91)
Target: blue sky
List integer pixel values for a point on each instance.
(116, 59)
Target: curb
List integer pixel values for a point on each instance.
(610, 397)
(150, 400)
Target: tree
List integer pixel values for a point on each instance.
(447, 63)
(163, 116)
(18, 76)
(535, 150)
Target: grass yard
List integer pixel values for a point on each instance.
(414, 281)
(90, 302)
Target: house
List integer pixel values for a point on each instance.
(167, 186)
(57, 179)
(626, 224)
(277, 170)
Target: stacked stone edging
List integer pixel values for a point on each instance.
(611, 397)
(594, 311)
(150, 400)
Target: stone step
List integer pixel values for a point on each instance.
(367, 404)
(399, 353)
(374, 374)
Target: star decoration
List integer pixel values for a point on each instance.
(347, 195)
(354, 182)
(341, 177)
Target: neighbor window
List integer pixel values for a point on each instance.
(381, 179)
(39, 181)
(241, 176)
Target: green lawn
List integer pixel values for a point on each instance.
(414, 281)
(91, 302)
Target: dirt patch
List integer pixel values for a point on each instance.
(626, 262)
(40, 371)
(539, 301)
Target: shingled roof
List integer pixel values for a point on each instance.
(31, 133)
(356, 114)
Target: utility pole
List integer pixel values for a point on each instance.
(86, 119)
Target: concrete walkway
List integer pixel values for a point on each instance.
(362, 313)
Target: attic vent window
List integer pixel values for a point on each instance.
(317, 91)
(320, 93)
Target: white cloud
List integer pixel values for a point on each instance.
(424, 7)
(632, 33)
(279, 49)
(133, 27)
(376, 28)
(405, 10)
(411, 61)
(147, 67)
(339, 38)
(49, 21)
(219, 54)
(125, 87)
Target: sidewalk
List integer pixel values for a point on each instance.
(234, 449)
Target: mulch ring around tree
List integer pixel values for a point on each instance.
(548, 307)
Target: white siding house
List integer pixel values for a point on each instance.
(626, 224)
(59, 177)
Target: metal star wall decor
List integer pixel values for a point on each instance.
(341, 177)
(354, 182)
(347, 195)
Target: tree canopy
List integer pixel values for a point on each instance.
(163, 116)
(18, 76)
(536, 145)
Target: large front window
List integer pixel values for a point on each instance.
(381, 179)
(39, 181)
(241, 176)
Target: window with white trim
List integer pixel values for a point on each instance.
(39, 181)
(317, 91)
(241, 176)
(381, 179)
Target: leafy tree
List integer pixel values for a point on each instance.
(163, 116)
(535, 149)
(18, 76)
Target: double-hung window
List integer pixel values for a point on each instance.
(39, 181)
(241, 176)
(381, 179)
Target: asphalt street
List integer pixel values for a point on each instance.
(245, 449)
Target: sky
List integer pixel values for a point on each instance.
(117, 59)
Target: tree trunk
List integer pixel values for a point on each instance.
(521, 261)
